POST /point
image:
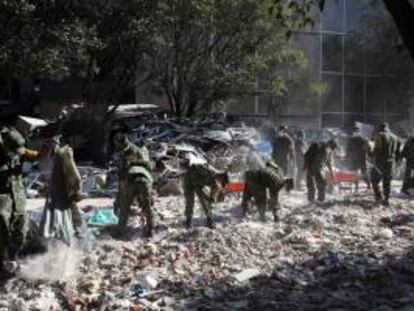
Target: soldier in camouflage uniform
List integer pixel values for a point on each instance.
(258, 182)
(122, 167)
(196, 180)
(408, 154)
(12, 193)
(284, 150)
(300, 149)
(356, 154)
(136, 185)
(386, 151)
(318, 156)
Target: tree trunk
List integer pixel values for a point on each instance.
(403, 15)
(98, 134)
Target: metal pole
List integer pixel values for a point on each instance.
(256, 88)
(343, 61)
(321, 64)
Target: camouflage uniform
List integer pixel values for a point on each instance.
(196, 180)
(317, 157)
(122, 175)
(385, 152)
(12, 195)
(257, 182)
(300, 149)
(137, 183)
(408, 154)
(356, 154)
(284, 151)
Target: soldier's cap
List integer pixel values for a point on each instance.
(283, 128)
(333, 144)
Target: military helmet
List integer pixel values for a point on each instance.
(272, 164)
(356, 128)
(332, 143)
(130, 149)
(14, 141)
(283, 128)
(384, 126)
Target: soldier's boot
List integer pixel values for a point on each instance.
(189, 222)
(262, 213)
(10, 266)
(245, 209)
(209, 222)
(1, 260)
(377, 195)
(275, 217)
(321, 198)
(76, 217)
(148, 228)
(386, 202)
(311, 196)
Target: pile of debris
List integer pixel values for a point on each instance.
(346, 254)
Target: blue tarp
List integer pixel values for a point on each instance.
(264, 148)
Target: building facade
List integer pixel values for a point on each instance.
(358, 85)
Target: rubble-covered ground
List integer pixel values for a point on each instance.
(346, 254)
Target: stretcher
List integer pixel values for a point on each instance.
(345, 180)
(342, 177)
(235, 186)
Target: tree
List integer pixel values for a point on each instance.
(208, 49)
(43, 37)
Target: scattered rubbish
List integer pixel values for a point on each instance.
(149, 282)
(246, 275)
(345, 252)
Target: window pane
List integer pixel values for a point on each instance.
(332, 100)
(332, 52)
(354, 94)
(333, 15)
(354, 54)
(354, 10)
(351, 119)
(311, 47)
(375, 96)
(331, 120)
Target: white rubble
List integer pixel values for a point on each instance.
(344, 254)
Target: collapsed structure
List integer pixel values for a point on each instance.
(243, 264)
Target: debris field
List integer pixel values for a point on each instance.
(346, 254)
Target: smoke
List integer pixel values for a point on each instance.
(59, 262)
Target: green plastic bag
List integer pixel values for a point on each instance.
(103, 217)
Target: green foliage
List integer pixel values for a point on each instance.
(197, 52)
(207, 49)
(42, 37)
